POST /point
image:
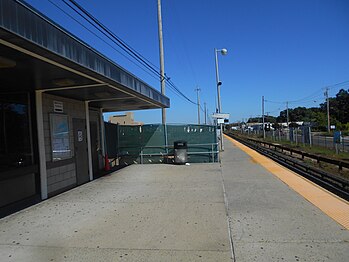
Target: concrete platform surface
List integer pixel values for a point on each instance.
(141, 213)
(270, 222)
(233, 211)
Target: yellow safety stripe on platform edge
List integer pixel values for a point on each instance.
(330, 204)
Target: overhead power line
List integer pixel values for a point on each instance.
(311, 96)
(274, 110)
(202, 109)
(117, 40)
(274, 102)
(121, 44)
(338, 84)
(307, 97)
(172, 85)
(100, 38)
(315, 94)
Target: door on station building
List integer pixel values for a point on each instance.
(94, 147)
(80, 151)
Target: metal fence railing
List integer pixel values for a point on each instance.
(298, 137)
(197, 153)
(154, 143)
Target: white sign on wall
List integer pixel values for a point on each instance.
(57, 106)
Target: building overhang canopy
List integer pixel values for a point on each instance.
(36, 54)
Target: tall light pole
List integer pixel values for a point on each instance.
(162, 64)
(198, 102)
(263, 117)
(223, 51)
(205, 113)
(328, 110)
(287, 117)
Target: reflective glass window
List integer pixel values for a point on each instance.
(15, 136)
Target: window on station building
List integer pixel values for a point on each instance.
(15, 135)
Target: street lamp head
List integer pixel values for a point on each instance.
(224, 51)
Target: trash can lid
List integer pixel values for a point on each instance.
(180, 144)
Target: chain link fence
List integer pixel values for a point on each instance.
(303, 135)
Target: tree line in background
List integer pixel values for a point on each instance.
(315, 116)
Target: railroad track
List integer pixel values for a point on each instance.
(333, 183)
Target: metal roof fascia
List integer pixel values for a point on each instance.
(23, 20)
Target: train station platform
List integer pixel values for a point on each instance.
(234, 211)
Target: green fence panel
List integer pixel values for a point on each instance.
(129, 144)
(193, 134)
(147, 143)
(153, 139)
(201, 139)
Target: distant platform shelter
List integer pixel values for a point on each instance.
(53, 93)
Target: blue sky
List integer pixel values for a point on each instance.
(284, 50)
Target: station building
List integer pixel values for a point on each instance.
(124, 119)
(54, 89)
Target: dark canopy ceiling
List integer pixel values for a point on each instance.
(35, 54)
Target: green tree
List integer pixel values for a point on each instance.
(342, 104)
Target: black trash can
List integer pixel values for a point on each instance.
(180, 152)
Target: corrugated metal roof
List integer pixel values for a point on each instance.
(21, 20)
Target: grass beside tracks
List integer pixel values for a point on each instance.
(315, 150)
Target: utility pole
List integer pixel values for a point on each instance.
(198, 102)
(328, 110)
(162, 63)
(263, 117)
(205, 113)
(287, 113)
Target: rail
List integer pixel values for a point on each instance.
(212, 151)
(329, 181)
(303, 154)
